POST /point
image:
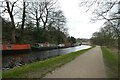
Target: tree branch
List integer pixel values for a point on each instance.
(13, 5)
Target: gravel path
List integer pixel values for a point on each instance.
(87, 65)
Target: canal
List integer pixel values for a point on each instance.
(10, 61)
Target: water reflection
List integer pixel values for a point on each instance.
(10, 61)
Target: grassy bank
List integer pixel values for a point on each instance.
(40, 68)
(111, 61)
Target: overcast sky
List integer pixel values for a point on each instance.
(78, 21)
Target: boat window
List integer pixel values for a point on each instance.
(9, 46)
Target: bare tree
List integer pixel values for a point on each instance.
(35, 12)
(103, 10)
(40, 12)
(23, 18)
(49, 7)
(12, 8)
(58, 20)
(9, 8)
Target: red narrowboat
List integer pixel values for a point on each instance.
(15, 48)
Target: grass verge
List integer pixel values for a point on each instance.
(111, 62)
(40, 68)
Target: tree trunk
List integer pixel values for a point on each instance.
(44, 26)
(13, 31)
(12, 20)
(119, 44)
(119, 28)
(37, 20)
(37, 23)
(46, 17)
(23, 22)
(13, 36)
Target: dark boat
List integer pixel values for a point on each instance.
(41, 47)
(15, 48)
(44, 46)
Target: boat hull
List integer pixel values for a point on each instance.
(15, 48)
(4, 52)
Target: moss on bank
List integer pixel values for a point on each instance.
(40, 68)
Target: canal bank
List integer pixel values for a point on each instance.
(40, 68)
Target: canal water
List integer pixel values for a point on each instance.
(10, 61)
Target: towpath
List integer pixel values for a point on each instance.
(87, 65)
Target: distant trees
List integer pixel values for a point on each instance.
(72, 40)
(106, 36)
(108, 10)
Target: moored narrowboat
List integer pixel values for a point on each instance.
(43, 46)
(15, 48)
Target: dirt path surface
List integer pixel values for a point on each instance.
(87, 65)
